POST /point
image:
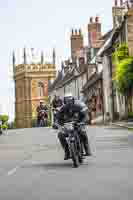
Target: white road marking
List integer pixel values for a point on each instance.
(13, 171)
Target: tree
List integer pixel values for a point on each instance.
(4, 119)
(123, 76)
(121, 53)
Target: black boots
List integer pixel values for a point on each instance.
(67, 155)
(87, 149)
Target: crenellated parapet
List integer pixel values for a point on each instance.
(45, 69)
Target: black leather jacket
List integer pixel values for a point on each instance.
(67, 113)
(57, 103)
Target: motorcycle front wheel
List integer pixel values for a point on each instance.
(74, 155)
(81, 153)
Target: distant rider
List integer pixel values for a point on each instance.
(56, 104)
(40, 108)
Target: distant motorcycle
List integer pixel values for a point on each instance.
(43, 116)
(55, 113)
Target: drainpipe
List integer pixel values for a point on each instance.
(102, 98)
(111, 87)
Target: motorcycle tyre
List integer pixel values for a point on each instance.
(74, 155)
(45, 123)
(41, 124)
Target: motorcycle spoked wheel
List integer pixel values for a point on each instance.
(41, 123)
(80, 150)
(80, 157)
(75, 156)
(45, 123)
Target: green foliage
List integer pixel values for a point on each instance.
(4, 126)
(123, 76)
(34, 122)
(4, 118)
(121, 53)
(130, 115)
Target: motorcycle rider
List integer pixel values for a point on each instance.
(66, 114)
(82, 97)
(40, 108)
(56, 103)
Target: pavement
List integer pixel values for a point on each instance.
(32, 166)
(124, 124)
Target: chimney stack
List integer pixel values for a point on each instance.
(77, 43)
(94, 31)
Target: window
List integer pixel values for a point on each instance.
(41, 89)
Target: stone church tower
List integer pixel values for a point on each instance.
(31, 86)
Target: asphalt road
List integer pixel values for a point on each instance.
(32, 166)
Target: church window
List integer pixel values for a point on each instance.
(41, 89)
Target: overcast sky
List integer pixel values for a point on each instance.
(42, 24)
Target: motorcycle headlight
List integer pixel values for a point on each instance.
(69, 126)
(76, 115)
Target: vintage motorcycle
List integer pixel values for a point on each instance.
(55, 113)
(71, 131)
(43, 115)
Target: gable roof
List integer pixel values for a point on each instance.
(112, 36)
(106, 35)
(56, 82)
(69, 76)
(93, 79)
